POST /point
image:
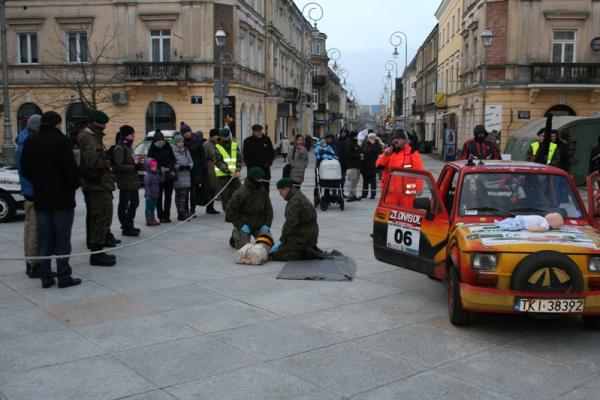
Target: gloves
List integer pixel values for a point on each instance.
(182, 167)
(276, 246)
(265, 229)
(246, 229)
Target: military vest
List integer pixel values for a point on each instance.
(535, 146)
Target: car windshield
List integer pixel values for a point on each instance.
(497, 194)
(143, 147)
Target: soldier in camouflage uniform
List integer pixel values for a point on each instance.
(300, 231)
(97, 186)
(228, 164)
(250, 209)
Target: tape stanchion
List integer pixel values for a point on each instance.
(110, 250)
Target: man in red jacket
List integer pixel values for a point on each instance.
(480, 147)
(401, 191)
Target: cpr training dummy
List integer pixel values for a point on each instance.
(255, 253)
(532, 223)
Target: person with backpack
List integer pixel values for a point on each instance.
(125, 172)
(183, 166)
(97, 186)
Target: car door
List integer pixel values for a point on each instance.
(410, 226)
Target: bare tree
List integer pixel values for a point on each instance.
(92, 70)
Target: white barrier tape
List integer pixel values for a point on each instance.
(110, 250)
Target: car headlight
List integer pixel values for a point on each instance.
(594, 264)
(486, 262)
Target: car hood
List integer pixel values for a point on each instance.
(488, 237)
(9, 179)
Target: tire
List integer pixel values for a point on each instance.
(550, 266)
(324, 206)
(8, 208)
(457, 314)
(591, 322)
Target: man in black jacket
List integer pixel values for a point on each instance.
(48, 162)
(258, 152)
(354, 159)
(340, 145)
(195, 145)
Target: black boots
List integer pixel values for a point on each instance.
(102, 259)
(65, 283)
(131, 231)
(32, 271)
(111, 240)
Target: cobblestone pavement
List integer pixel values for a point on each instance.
(177, 319)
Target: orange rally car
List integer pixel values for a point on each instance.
(449, 233)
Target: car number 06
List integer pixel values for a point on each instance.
(403, 237)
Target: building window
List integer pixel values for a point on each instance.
(26, 111)
(315, 96)
(76, 119)
(27, 48)
(453, 25)
(77, 47)
(564, 43)
(160, 45)
(160, 115)
(316, 48)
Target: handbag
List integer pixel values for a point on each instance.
(287, 170)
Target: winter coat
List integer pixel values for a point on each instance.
(221, 164)
(124, 168)
(183, 167)
(198, 172)
(49, 164)
(404, 190)
(298, 161)
(164, 156)
(285, 146)
(371, 152)
(26, 185)
(323, 151)
(250, 205)
(94, 164)
(340, 145)
(210, 154)
(300, 230)
(353, 154)
(258, 152)
(481, 150)
(152, 181)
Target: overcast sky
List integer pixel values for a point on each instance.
(361, 30)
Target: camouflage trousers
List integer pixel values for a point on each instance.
(287, 253)
(241, 239)
(229, 190)
(99, 216)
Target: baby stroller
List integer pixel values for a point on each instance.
(328, 184)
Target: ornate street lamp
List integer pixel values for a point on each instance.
(314, 12)
(220, 39)
(334, 54)
(486, 41)
(397, 39)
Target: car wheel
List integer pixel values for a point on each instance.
(591, 322)
(457, 314)
(8, 208)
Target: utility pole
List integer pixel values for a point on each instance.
(8, 147)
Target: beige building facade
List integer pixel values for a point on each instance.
(154, 64)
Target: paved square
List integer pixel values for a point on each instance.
(176, 319)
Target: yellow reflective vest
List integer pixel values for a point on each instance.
(535, 146)
(230, 159)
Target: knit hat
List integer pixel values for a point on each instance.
(541, 131)
(256, 173)
(158, 135)
(126, 130)
(479, 129)
(33, 123)
(178, 138)
(153, 164)
(184, 128)
(213, 132)
(99, 117)
(285, 183)
(400, 134)
(51, 118)
(224, 132)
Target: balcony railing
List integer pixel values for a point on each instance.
(565, 73)
(156, 71)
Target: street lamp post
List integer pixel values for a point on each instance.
(313, 8)
(8, 147)
(389, 66)
(397, 39)
(220, 38)
(486, 40)
(334, 54)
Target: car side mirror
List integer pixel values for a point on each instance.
(423, 203)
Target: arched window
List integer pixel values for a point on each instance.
(26, 111)
(561, 111)
(77, 117)
(160, 115)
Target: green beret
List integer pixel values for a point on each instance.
(224, 132)
(99, 117)
(256, 172)
(285, 183)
